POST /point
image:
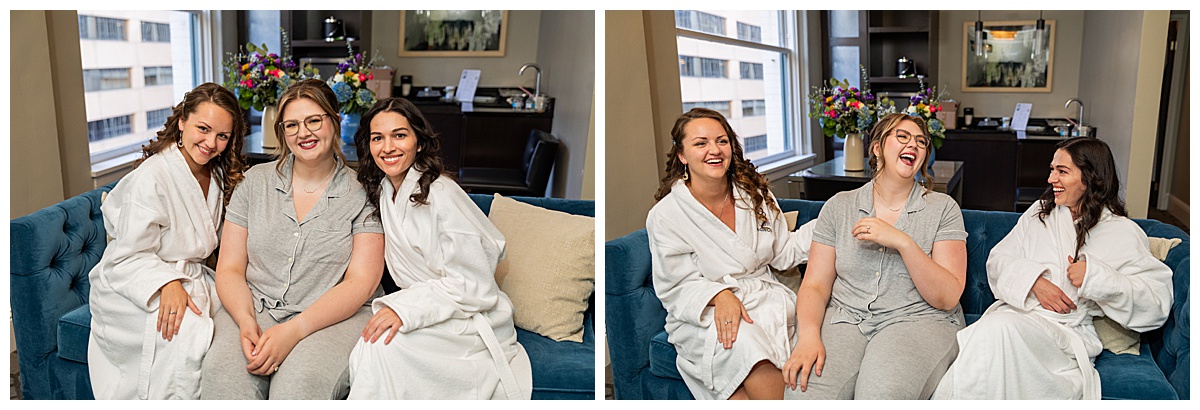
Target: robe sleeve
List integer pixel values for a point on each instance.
(791, 247)
(677, 280)
(1125, 280)
(466, 261)
(135, 271)
(1010, 273)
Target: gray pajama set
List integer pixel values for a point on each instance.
(882, 340)
(291, 264)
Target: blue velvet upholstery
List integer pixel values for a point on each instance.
(643, 361)
(53, 249)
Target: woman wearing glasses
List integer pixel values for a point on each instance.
(301, 254)
(878, 309)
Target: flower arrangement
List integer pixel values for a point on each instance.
(926, 104)
(350, 83)
(842, 109)
(258, 77)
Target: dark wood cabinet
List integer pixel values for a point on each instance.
(892, 34)
(483, 138)
(989, 164)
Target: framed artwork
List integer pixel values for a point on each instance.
(453, 33)
(1009, 58)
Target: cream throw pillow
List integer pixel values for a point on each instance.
(1117, 338)
(549, 267)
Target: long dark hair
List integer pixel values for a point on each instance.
(1101, 186)
(318, 92)
(231, 163)
(428, 160)
(888, 124)
(741, 173)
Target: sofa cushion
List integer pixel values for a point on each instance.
(549, 267)
(561, 370)
(662, 357)
(1126, 376)
(74, 328)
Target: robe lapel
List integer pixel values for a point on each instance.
(729, 242)
(190, 200)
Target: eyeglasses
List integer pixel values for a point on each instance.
(312, 122)
(904, 137)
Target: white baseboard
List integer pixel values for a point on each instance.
(1180, 210)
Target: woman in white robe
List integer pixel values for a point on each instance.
(151, 295)
(448, 332)
(714, 233)
(1072, 256)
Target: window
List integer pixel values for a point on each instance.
(754, 108)
(751, 71)
(108, 128)
(101, 28)
(749, 32)
(701, 67)
(766, 51)
(130, 112)
(700, 21)
(755, 143)
(156, 32)
(157, 75)
(718, 106)
(101, 79)
(156, 118)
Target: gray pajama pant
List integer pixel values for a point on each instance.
(903, 360)
(316, 369)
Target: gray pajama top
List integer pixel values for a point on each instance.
(291, 262)
(873, 288)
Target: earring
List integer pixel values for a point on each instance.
(685, 173)
(179, 142)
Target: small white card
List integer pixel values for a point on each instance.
(466, 86)
(1020, 116)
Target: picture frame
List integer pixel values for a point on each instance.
(1009, 62)
(453, 33)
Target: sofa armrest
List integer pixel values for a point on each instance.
(52, 251)
(633, 313)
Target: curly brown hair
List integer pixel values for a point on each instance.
(318, 92)
(231, 162)
(1102, 185)
(885, 127)
(428, 159)
(742, 173)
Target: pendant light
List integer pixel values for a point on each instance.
(1039, 35)
(980, 36)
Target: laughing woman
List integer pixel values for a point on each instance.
(713, 234)
(1073, 255)
(878, 308)
(152, 296)
(300, 255)
(448, 332)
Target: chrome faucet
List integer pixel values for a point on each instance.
(537, 88)
(1079, 119)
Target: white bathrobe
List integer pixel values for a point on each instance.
(1019, 349)
(694, 256)
(163, 227)
(457, 340)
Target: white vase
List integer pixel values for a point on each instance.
(853, 152)
(268, 127)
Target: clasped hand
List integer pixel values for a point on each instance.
(265, 351)
(728, 313)
(879, 231)
(173, 300)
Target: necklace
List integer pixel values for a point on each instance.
(314, 189)
(723, 203)
(885, 204)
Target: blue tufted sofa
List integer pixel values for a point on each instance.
(53, 249)
(643, 361)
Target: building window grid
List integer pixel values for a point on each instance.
(718, 106)
(755, 143)
(101, 79)
(109, 128)
(749, 32)
(156, 32)
(754, 108)
(157, 75)
(751, 71)
(101, 28)
(702, 67)
(700, 21)
(156, 119)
